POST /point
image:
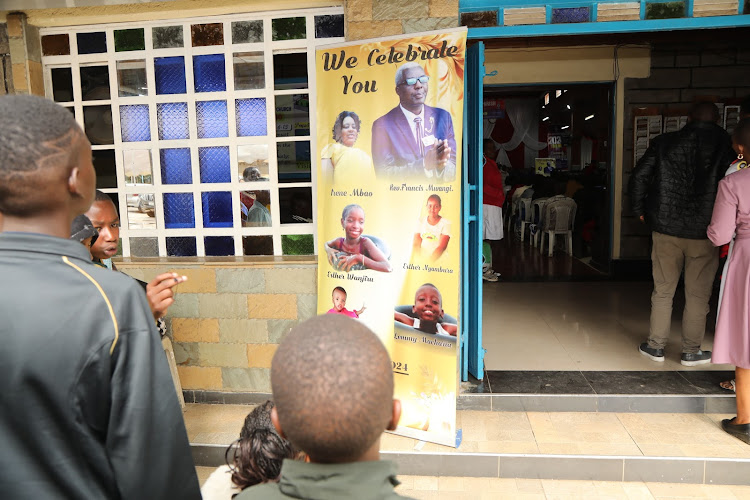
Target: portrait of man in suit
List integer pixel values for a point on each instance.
(414, 141)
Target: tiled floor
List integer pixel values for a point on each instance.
(600, 382)
(472, 488)
(590, 433)
(577, 326)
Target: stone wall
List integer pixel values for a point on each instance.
(228, 318)
(377, 18)
(25, 56)
(680, 74)
(6, 76)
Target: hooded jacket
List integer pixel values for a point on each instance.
(311, 481)
(675, 183)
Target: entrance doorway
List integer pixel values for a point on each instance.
(554, 143)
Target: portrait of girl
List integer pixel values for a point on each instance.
(355, 251)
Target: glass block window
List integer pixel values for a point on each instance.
(209, 73)
(211, 118)
(92, 43)
(176, 166)
(167, 37)
(62, 84)
(665, 10)
(214, 164)
(56, 45)
(290, 28)
(131, 39)
(169, 74)
(200, 128)
(571, 15)
(247, 31)
(329, 26)
(172, 119)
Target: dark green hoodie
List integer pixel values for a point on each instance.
(360, 480)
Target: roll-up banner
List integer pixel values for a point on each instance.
(389, 124)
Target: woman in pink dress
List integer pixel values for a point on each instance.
(731, 216)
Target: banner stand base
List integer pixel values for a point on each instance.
(459, 437)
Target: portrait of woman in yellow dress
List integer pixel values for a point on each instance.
(341, 161)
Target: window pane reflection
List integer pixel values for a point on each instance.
(137, 166)
(252, 162)
(249, 71)
(293, 160)
(94, 83)
(97, 122)
(141, 211)
(257, 245)
(104, 164)
(292, 115)
(131, 78)
(255, 208)
(290, 71)
(295, 205)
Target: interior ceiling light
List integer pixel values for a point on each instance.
(588, 117)
(545, 118)
(568, 105)
(566, 126)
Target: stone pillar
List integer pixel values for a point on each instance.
(377, 18)
(25, 55)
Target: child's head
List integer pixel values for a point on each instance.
(82, 230)
(428, 303)
(260, 450)
(353, 221)
(103, 215)
(46, 161)
(741, 138)
(339, 298)
(433, 205)
(332, 383)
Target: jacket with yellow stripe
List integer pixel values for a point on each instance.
(87, 404)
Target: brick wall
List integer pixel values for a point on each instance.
(228, 319)
(680, 73)
(377, 18)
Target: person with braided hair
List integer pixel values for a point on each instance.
(256, 457)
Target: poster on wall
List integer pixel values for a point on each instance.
(389, 123)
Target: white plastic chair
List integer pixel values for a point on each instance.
(537, 214)
(559, 217)
(524, 214)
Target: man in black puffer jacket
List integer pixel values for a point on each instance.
(673, 188)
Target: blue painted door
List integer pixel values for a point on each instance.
(472, 352)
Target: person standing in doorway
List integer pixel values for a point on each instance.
(673, 188)
(492, 207)
(731, 218)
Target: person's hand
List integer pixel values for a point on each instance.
(362, 309)
(331, 255)
(160, 294)
(348, 261)
(435, 158)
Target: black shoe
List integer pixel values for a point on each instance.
(651, 353)
(696, 358)
(740, 431)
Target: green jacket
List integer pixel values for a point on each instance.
(360, 480)
(87, 405)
